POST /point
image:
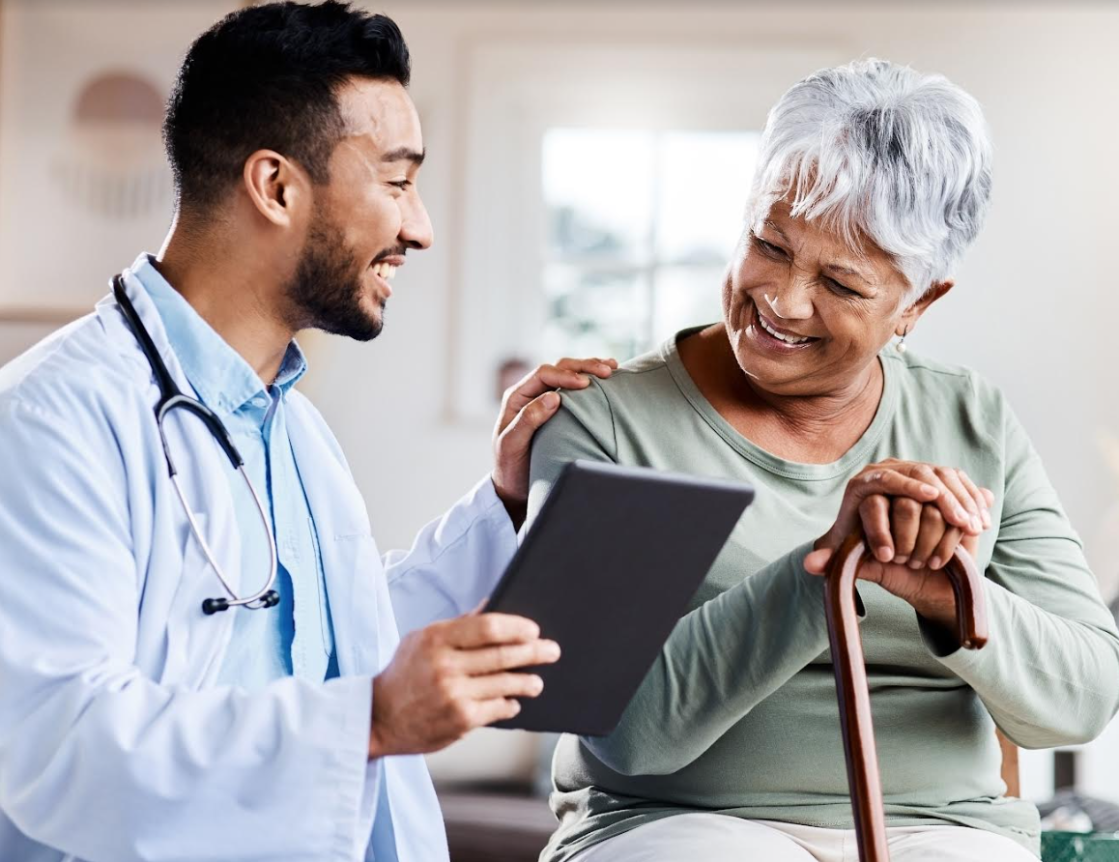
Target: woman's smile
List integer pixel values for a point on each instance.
(767, 335)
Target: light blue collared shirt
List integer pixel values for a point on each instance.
(295, 637)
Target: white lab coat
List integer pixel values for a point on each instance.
(115, 744)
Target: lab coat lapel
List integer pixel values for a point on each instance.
(351, 562)
(195, 642)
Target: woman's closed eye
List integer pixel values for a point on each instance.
(769, 249)
(838, 288)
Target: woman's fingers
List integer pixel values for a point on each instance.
(884, 482)
(944, 550)
(981, 501)
(953, 481)
(932, 531)
(950, 502)
(905, 522)
(904, 510)
(874, 512)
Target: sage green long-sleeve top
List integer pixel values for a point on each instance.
(738, 715)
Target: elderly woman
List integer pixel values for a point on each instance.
(872, 182)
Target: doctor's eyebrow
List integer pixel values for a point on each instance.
(405, 154)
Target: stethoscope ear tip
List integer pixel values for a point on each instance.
(270, 599)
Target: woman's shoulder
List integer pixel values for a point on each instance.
(918, 371)
(637, 380)
(939, 391)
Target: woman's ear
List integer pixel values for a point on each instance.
(912, 314)
(275, 185)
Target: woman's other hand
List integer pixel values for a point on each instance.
(911, 533)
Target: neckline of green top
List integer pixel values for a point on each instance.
(856, 456)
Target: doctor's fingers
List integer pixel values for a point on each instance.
(483, 630)
(497, 709)
(501, 685)
(489, 660)
(565, 374)
(515, 437)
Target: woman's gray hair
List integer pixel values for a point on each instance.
(876, 149)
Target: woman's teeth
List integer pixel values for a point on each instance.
(384, 270)
(788, 339)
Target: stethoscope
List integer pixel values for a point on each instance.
(170, 399)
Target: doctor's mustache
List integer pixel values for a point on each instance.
(398, 251)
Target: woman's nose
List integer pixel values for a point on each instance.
(791, 300)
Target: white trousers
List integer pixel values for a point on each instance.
(721, 838)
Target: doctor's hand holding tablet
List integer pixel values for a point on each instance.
(457, 675)
(453, 676)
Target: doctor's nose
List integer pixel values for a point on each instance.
(415, 225)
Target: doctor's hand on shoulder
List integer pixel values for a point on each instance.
(452, 677)
(524, 408)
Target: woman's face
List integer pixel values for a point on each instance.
(831, 309)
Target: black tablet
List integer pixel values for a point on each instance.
(606, 570)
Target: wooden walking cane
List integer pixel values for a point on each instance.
(851, 685)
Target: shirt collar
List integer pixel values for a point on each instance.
(221, 377)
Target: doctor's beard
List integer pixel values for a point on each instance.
(326, 290)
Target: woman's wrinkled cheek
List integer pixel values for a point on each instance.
(734, 301)
(742, 278)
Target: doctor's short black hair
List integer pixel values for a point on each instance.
(265, 77)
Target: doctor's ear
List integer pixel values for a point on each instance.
(276, 185)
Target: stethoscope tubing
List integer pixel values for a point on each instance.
(171, 399)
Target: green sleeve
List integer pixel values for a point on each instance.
(723, 658)
(1050, 673)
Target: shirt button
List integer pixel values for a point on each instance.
(260, 401)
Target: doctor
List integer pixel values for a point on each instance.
(134, 725)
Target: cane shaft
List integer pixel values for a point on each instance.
(849, 664)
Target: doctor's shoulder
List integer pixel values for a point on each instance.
(76, 380)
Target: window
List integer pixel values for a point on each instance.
(603, 188)
(640, 226)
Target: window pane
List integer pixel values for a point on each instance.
(594, 313)
(703, 181)
(686, 296)
(598, 192)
